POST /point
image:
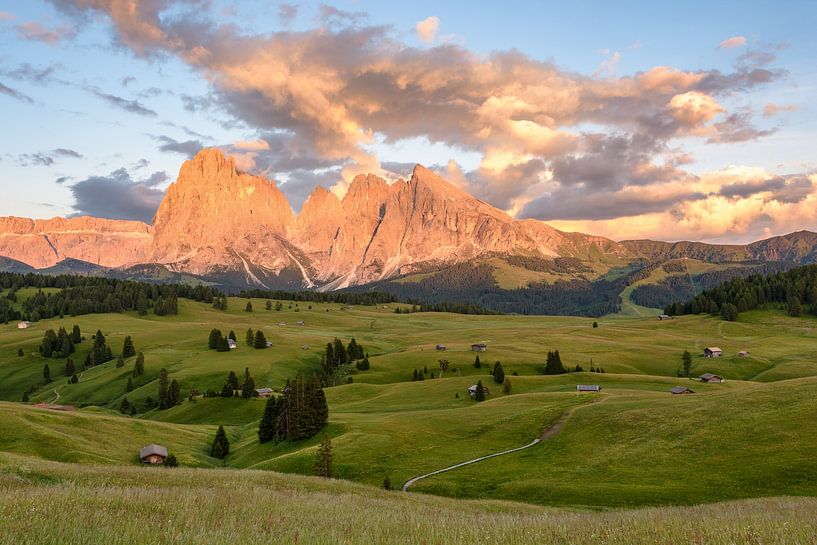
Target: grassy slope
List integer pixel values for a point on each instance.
(134, 505)
(383, 425)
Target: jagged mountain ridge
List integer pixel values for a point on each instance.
(217, 222)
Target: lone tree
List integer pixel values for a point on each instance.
(171, 461)
(248, 308)
(174, 394)
(260, 340)
(46, 374)
(479, 395)
(128, 350)
(215, 337)
(477, 363)
(686, 359)
(139, 365)
(323, 458)
(164, 388)
(498, 373)
(250, 338)
(129, 387)
(387, 484)
(70, 368)
(268, 305)
(444, 364)
(248, 388)
(20, 353)
(221, 445)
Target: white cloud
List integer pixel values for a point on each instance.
(252, 145)
(427, 29)
(732, 43)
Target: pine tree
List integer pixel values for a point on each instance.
(25, 397)
(387, 484)
(129, 387)
(323, 458)
(120, 362)
(74, 379)
(128, 350)
(221, 445)
(498, 373)
(171, 461)
(232, 336)
(76, 335)
(260, 340)
(46, 374)
(164, 386)
(70, 368)
(248, 388)
(232, 381)
(248, 308)
(174, 394)
(363, 365)
(215, 336)
(268, 428)
(139, 365)
(124, 407)
(686, 360)
(20, 353)
(268, 305)
(415, 376)
(479, 395)
(477, 363)
(250, 337)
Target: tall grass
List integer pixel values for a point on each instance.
(50, 503)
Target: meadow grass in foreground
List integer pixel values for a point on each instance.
(43, 503)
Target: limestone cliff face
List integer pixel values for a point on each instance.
(215, 218)
(43, 243)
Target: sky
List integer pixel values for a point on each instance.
(622, 119)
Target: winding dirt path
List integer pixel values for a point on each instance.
(548, 433)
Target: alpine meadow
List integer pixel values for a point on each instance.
(236, 309)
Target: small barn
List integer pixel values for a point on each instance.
(440, 347)
(711, 378)
(472, 390)
(681, 390)
(153, 454)
(263, 392)
(713, 352)
(232, 344)
(583, 388)
(299, 322)
(25, 324)
(743, 354)
(269, 344)
(662, 317)
(479, 347)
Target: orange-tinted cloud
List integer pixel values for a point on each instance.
(733, 42)
(427, 29)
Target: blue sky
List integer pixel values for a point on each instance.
(120, 107)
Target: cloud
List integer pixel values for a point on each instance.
(732, 43)
(324, 99)
(427, 29)
(8, 91)
(118, 196)
(34, 31)
(188, 147)
(771, 109)
(47, 158)
(287, 13)
(6, 16)
(132, 106)
(127, 80)
(27, 72)
(252, 145)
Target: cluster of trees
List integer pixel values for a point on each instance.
(559, 265)
(299, 413)
(170, 393)
(256, 339)
(60, 344)
(336, 354)
(338, 297)
(679, 288)
(553, 364)
(220, 303)
(794, 290)
(100, 351)
(232, 387)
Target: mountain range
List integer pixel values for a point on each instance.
(236, 229)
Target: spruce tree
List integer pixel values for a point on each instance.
(363, 365)
(479, 395)
(250, 337)
(477, 363)
(686, 360)
(323, 458)
(164, 386)
(128, 349)
(498, 373)
(268, 305)
(139, 365)
(25, 397)
(232, 381)
(46, 374)
(171, 461)
(268, 428)
(260, 340)
(248, 308)
(221, 445)
(232, 336)
(248, 388)
(74, 379)
(174, 394)
(387, 484)
(20, 353)
(76, 335)
(70, 368)
(124, 407)
(120, 362)
(215, 336)
(129, 387)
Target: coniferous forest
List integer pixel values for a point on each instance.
(794, 290)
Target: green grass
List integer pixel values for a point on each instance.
(47, 503)
(746, 438)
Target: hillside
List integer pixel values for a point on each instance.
(385, 424)
(220, 225)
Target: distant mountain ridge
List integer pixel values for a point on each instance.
(219, 224)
